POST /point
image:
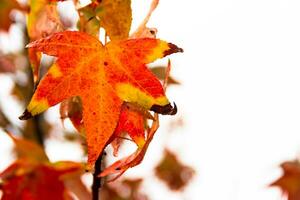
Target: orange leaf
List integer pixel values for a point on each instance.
(132, 122)
(103, 77)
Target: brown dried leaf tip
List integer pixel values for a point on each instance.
(26, 115)
(173, 49)
(165, 110)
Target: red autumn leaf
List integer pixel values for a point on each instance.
(104, 77)
(27, 180)
(33, 177)
(132, 122)
(120, 166)
(41, 182)
(289, 183)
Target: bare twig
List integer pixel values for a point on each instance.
(39, 132)
(96, 179)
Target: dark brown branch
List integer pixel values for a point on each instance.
(39, 132)
(97, 180)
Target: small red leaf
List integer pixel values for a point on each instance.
(120, 166)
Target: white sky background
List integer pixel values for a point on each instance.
(239, 96)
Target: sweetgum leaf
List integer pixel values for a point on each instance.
(103, 77)
(132, 119)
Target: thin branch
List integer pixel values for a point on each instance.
(39, 132)
(97, 180)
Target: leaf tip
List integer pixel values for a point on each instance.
(26, 115)
(172, 49)
(165, 110)
(29, 45)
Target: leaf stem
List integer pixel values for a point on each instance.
(97, 180)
